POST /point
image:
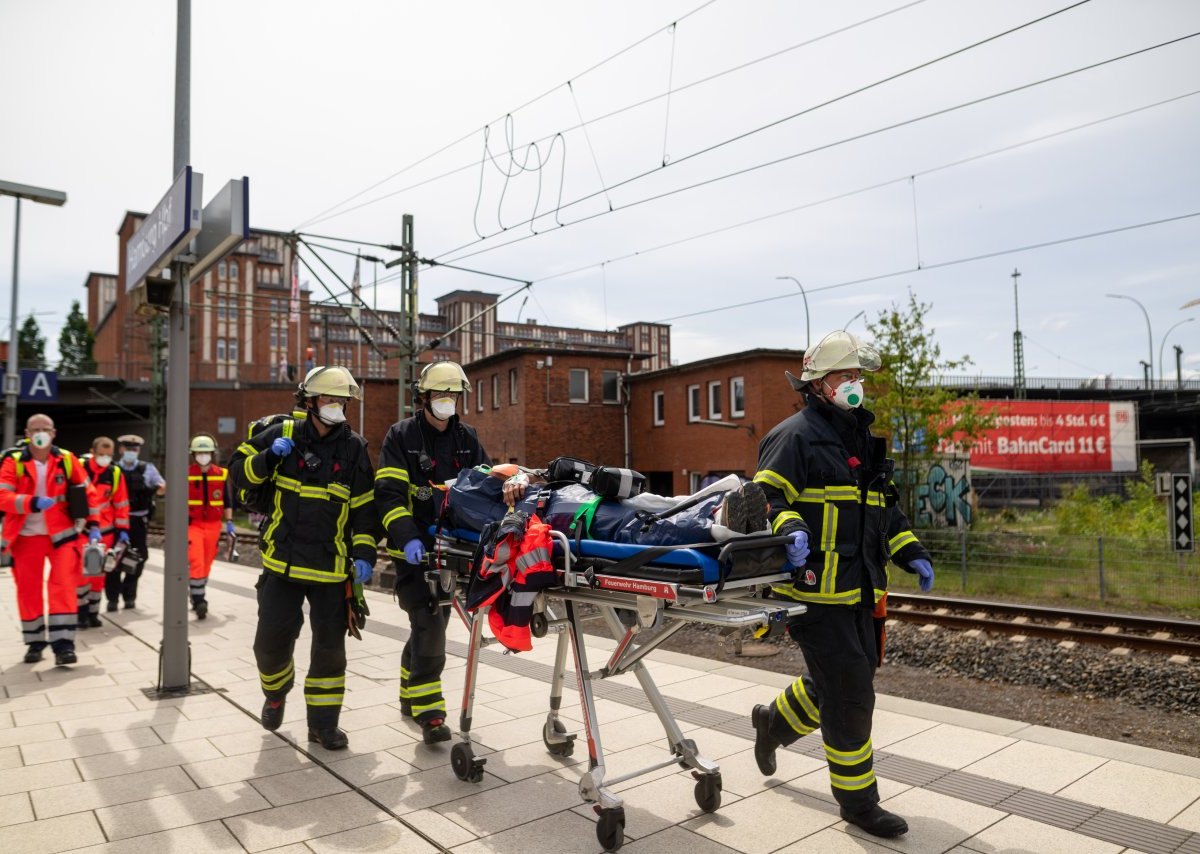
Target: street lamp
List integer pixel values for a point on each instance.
(851, 320)
(1149, 332)
(12, 379)
(807, 328)
(1166, 335)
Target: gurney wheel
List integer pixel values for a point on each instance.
(558, 748)
(538, 626)
(610, 829)
(464, 764)
(708, 792)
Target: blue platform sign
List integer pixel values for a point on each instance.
(38, 386)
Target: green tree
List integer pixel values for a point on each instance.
(75, 344)
(31, 345)
(923, 419)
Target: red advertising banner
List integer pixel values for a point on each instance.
(1058, 436)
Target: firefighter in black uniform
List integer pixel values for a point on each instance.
(418, 456)
(318, 534)
(144, 483)
(828, 481)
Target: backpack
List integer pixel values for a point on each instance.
(260, 498)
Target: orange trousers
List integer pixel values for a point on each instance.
(30, 555)
(203, 539)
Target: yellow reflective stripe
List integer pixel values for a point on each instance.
(876, 499)
(392, 472)
(340, 490)
(428, 689)
(829, 545)
(394, 552)
(394, 514)
(195, 477)
(325, 682)
(363, 540)
(852, 784)
(806, 702)
(849, 757)
(275, 681)
(289, 428)
(785, 516)
(431, 707)
(790, 493)
(360, 500)
(901, 540)
(790, 716)
(195, 503)
(323, 699)
(850, 597)
(249, 452)
(303, 573)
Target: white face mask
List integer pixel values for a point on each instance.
(103, 461)
(443, 407)
(332, 413)
(848, 395)
(203, 459)
(129, 457)
(41, 439)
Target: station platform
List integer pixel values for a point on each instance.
(90, 762)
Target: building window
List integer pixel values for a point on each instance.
(737, 397)
(233, 350)
(611, 386)
(512, 386)
(714, 400)
(578, 385)
(221, 270)
(495, 391)
(233, 309)
(693, 403)
(479, 397)
(233, 270)
(659, 409)
(220, 349)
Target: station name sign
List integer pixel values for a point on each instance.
(175, 220)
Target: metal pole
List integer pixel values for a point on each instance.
(408, 314)
(1163, 345)
(173, 667)
(1149, 330)
(1100, 556)
(807, 328)
(12, 381)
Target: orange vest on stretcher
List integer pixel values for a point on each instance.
(509, 578)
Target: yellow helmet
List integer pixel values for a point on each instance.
(330, 380)
(203, 443)
(443, 376)
(838, 351)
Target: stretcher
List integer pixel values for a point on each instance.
(644, 595)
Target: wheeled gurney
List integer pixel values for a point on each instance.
(645, 595)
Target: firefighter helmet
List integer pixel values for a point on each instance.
(838, 351)
(331, 381)
(443, 376)
(203, 443)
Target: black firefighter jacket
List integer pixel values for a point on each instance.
(322, 511)
(824, 473)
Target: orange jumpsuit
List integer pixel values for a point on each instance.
(208, 496)
(112, 499)
(33, 538)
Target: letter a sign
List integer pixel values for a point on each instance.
(38, 386)
(1180, 508)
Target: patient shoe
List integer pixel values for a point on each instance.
(435, 730)
(876, 821)
(733, 512)
(331, 738)
(764, 745)
(754, 501)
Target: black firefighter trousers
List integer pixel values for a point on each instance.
(424, 655)
(280, 618)
(837, 695)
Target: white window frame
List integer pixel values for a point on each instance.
(658, 403)
(714, 412)
(693, 403)
(512, 386)
(478, 396)
(734, 410)
(604, 377)
(495, 391)
(587, 379)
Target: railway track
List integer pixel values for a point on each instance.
(1161, 635)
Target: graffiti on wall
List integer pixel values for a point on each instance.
(944, 496)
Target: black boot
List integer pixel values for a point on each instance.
(201, 610)
(66, 656)
(33, 655)
(272, 714)
(81, 619)
(406, 708)
(331, 738)
(435, 730)
(764, 745)
(94, 621)
(112, 606)
(877, 821)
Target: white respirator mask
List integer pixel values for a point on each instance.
(104, 462)
(203, 459)
(848, 395)
(443, 407)
(332, 414)
(41, 439)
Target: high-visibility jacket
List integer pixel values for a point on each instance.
(111, 495)
(514, 568)
(208, 493)
(824, 473)
(322, 514)
(18, 479)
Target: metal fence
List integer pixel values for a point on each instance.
(1117, 572)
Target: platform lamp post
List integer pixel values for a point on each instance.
(1149, 332)
(1163, 345)
(807, 327)
(851, 320)
(12, 378)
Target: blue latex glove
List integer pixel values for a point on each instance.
(93, 535)
(282, 446)
(924, 572)
(122, 536)
(43, 503)
(797, 549)
(363, 571)
(414, 551)
(229, 528)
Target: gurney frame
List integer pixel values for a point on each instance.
(630, 608)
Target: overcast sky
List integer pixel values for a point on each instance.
(347, 115)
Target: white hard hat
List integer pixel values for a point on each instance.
(443, 376)
(838, 351)
(330, 380)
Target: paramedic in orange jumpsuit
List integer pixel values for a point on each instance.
(112, 499)
(38, 527)
(208, 504)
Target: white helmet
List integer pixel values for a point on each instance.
(443, 376)
(838, 351)
(330, 380)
